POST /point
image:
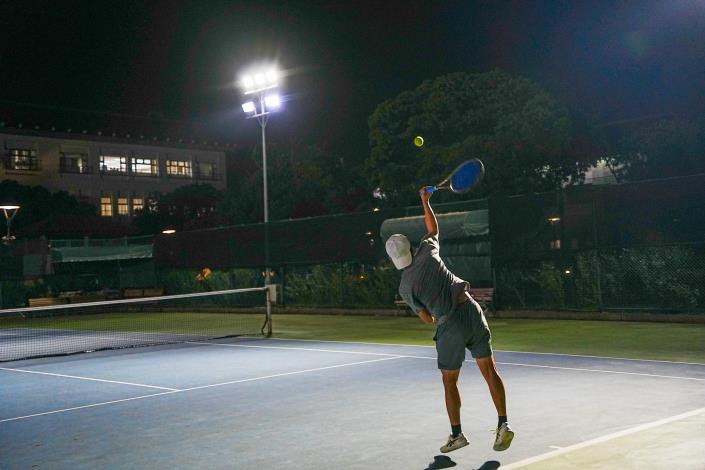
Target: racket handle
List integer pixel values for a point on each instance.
(431, 189)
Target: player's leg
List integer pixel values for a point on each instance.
(480, 346)
(452, 395)
(451, 354)
(504, 434)
(488, 368)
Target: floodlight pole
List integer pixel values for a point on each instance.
(262, 116)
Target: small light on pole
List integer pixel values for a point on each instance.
(10, 211)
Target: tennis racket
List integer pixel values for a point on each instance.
(463, 178)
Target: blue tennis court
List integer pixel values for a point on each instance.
(261, 403)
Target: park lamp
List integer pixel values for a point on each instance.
(9, 211)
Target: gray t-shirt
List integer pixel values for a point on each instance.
(427, 282)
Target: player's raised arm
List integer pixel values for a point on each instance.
(429, 215)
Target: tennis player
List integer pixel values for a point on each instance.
(439, 297)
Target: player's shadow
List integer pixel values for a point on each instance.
(443, 461)
(440, 461)
(489, 465)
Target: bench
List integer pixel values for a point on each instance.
(130, 293)
(46, 301)
(482, 295)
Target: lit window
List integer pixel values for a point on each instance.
(178, 168)
(122, 206)
(21, 159)
(106, 206)
(113, 164)
(145, 166)
(137, 204)
(207, 170)
(74, 163)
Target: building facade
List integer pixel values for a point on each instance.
(116, 175)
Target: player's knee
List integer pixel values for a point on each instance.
(450, 379)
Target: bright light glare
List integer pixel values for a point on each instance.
(9, 207)
(260, 79)
(272, 101)
(249, 107)
(247, 82)
(168, 231)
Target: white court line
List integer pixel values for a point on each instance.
(86, 406)
(496, 350)
(289, 348)
(252, 379)
(579, 369)
(598, 440)
(283, 374)
(93, 379)
(603, 357)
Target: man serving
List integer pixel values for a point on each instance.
(439, 297)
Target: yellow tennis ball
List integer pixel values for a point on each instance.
(418, 141)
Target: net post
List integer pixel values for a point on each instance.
(271, 294)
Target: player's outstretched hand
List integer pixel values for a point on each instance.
(425, 195)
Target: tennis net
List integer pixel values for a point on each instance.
(69, 328)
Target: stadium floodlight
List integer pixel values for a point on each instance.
(10, 211)
(168, 231)
(249, 107)
(272, 101)
(261, 83)
(260, 80)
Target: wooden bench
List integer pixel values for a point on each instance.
(130, 293)
(46, 301)
(402, 308)
(483, 295)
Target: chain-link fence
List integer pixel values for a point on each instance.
(665, 278)
(637, 246)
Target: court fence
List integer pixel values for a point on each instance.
(627, 247)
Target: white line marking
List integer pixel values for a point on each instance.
(86, 406)
(290, 373)
(580, 369)
(496, 350)
(196, 388)
(93, 379)
(598, 440)
(602, 357)
(289, 348)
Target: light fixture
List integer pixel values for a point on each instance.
(272, 101)
(249, 107)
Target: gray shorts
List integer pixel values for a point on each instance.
(467, 328)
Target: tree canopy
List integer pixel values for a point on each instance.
(519, 131)
(655, 148)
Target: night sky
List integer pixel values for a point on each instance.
(178, 59)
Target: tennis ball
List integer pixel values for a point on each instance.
(418, 141)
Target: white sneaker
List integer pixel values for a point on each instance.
(455, 443)
(504, 437)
